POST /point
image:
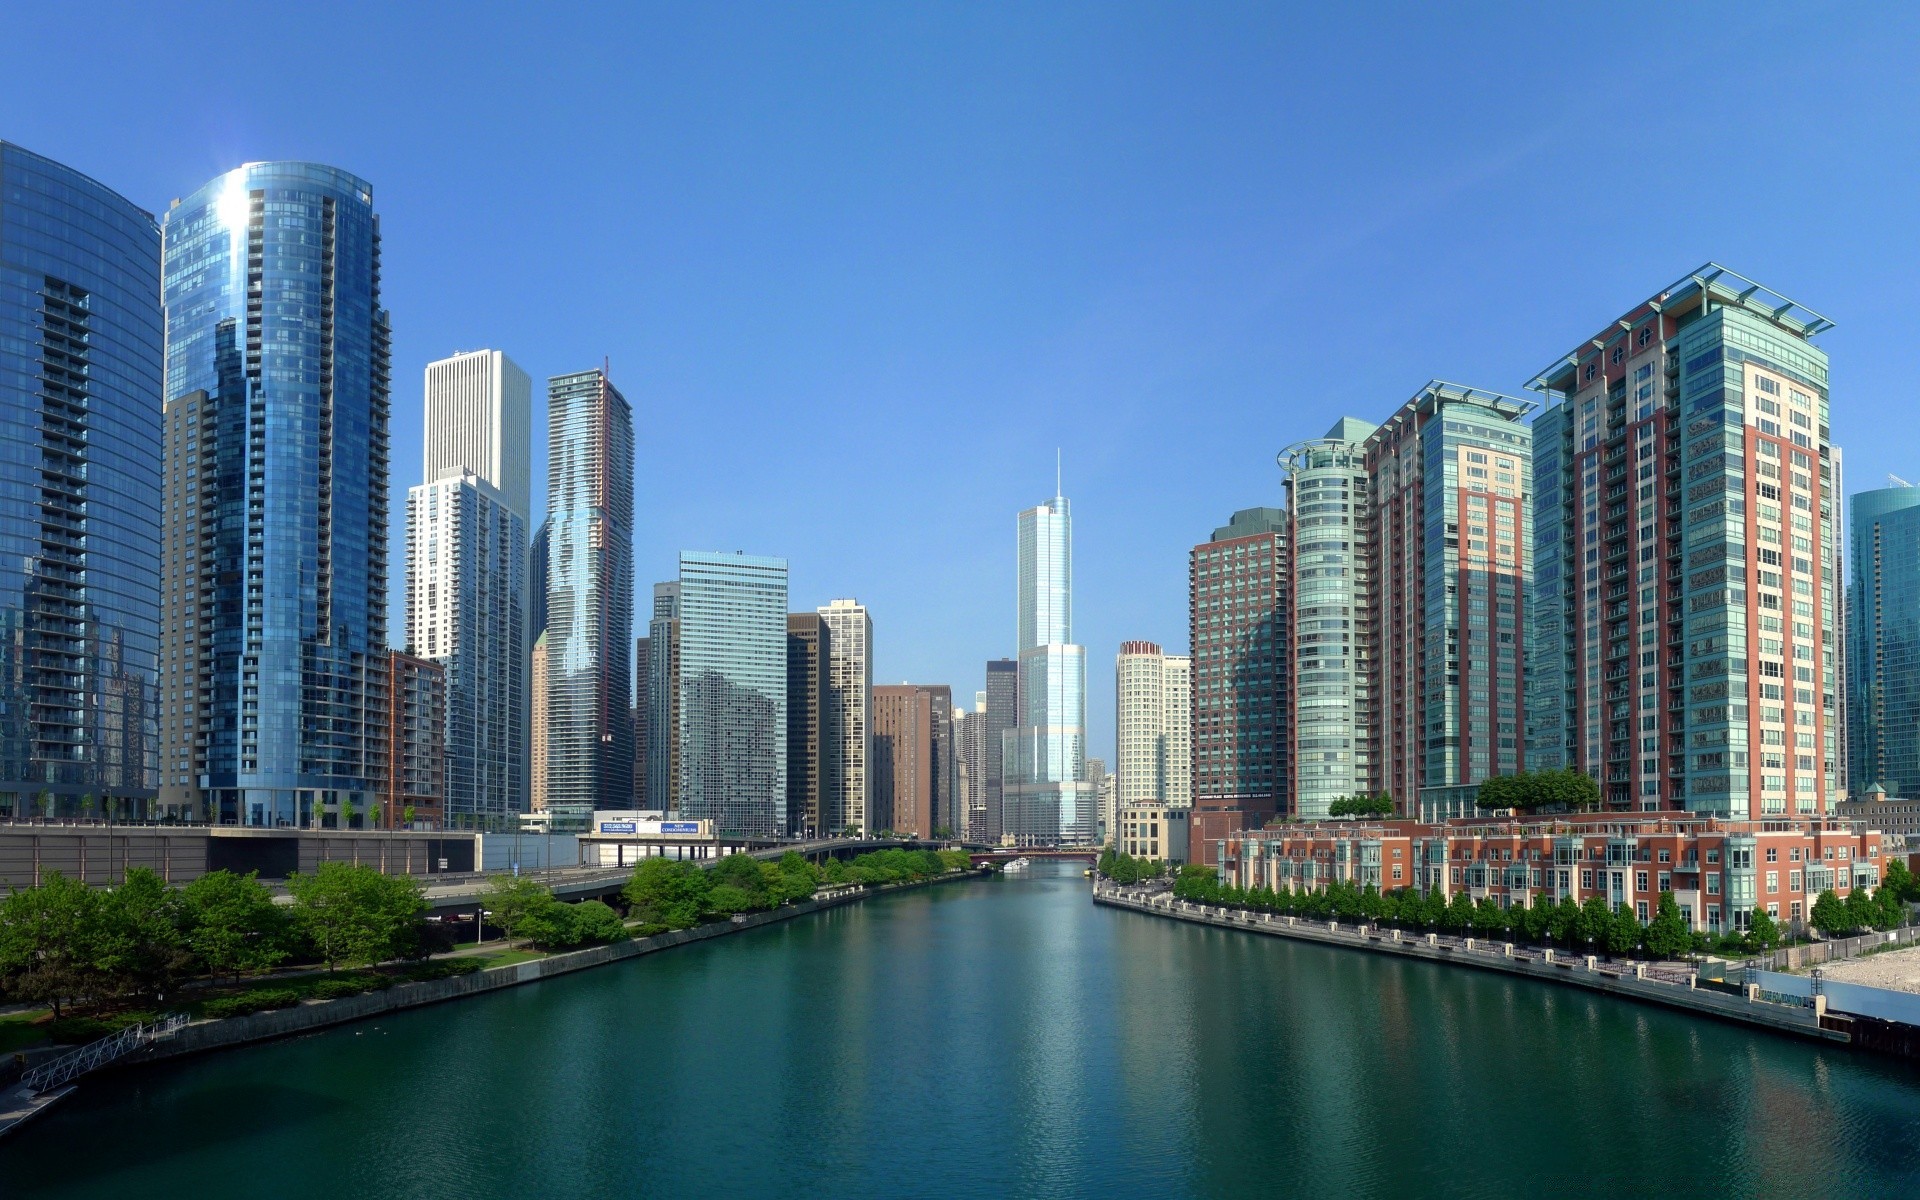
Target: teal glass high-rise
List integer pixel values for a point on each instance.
(1883, 659)
(80, 352)
(275, 562)
(733, 692)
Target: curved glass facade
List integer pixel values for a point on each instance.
(1327, 494)
(275, 609)
(589, 592)
(80, 351)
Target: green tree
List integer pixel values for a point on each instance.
(1624, 931)
(667, 892)
(552, 924)
(1862, 912)
(595, 921)
(142, 947)
(1901, 882)
(1763, 933)
(233, 925)
(354, 914)
(1667, 934)
(1487, 919)
(48, 938)
(796, 877)
(1563, 922)
(1893, 910)
(1197, 883)
(1591, 926)
(1829, 914)
(726, 899)
(510, 900)
(1458, 915)
(742, 871)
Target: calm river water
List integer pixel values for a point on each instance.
(997, 1038)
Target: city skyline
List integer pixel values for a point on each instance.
(935, 258)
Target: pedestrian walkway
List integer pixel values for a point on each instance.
(20, 1103)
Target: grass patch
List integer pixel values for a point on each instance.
(506, 958)
(20, 1031)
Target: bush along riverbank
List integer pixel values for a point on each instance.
(220, 947)
(319, 1013)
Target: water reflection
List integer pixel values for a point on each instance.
(993, 1039)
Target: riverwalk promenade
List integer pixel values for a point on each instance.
(1671, 986)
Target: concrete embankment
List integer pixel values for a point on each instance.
(1572, 970)
(306, 1017)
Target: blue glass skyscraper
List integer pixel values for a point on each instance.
(275, 556)
(733, 691)
(1883, 661)
(1045, 797)
(80, 352)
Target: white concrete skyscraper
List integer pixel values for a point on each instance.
(849, 714)
(480, 418)
(1152, 726)
(467, 578)
(1046, 798)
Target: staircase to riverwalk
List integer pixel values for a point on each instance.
(51, 1081)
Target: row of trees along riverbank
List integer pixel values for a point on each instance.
(1595, 924)
(121, 954)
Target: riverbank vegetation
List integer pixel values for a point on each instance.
(674, 894)
(1593, 926)
(1125, 868)
(99, 959)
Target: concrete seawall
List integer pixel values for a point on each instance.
(1497, 956)
(308, 1016)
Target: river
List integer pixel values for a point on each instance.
(1002, 1037)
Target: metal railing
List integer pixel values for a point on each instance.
(47, 1076)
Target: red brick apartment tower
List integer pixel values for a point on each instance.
(1237, 627)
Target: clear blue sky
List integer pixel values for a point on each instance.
(862, 268)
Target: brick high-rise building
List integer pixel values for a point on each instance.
(1685, 617)
(1237, 628)
(903, 759)
(1002, 713)
(415, 784)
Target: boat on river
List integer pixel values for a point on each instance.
(1019, 864)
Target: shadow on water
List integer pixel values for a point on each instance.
(153, 1123)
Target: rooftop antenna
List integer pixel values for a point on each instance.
(1895, 481)
(1056, 472)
